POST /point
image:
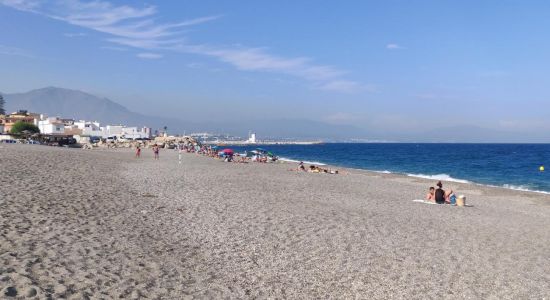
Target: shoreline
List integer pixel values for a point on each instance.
(436, 177)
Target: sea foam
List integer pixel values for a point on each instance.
(522, 188)
(383, 172)
(304, 161)
(442, 177)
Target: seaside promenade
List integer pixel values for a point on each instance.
(93, 224)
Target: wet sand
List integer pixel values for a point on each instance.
(83, 224)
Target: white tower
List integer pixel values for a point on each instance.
(251, 137)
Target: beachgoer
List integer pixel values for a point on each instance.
(156, 151)
(301, 166)
(441, 197)
(138, 151)
(180, 151)
(431, 194)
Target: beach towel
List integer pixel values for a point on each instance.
(424, 201)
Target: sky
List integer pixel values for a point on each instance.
(408, 67)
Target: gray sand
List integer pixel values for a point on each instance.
(101, 224)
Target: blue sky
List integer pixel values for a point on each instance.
(386, 66)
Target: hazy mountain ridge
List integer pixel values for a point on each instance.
(66, 103)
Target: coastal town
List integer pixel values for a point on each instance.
(58, 131)
(64, 131)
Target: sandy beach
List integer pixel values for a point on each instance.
(100, 224)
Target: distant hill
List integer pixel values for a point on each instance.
(66, 103)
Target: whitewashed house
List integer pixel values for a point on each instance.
(119, 131)
(53, 125)
(113, 130)
(135, 132)
(89, 128)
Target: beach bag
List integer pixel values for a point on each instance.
(452, 199)
(461, 200)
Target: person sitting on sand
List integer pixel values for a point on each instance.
(430, 196)
(300, 168)
(314, 169)
(441, 197)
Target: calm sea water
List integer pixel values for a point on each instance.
(513, 166)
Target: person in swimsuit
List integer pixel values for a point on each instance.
(138, 152)
(430, 196)
(441, 197)
(156, 151)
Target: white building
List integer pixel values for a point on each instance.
(251, 138)
(113, 130)
(134, 132)
(52, 125)
(89, 128)
(119, 131)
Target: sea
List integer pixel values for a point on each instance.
(512, 166)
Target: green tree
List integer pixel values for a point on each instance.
(23, 127)
(2, 104)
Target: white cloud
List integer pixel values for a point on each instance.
(129, 25)
(24, 5)
(148, 55)
(257, 59)
(136, 27)
(195, 65)
(394, 47)
(76, 34)
(346, 86)
(114, 48)
(13, 51)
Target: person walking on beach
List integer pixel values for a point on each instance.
(180, 151)
(156, 151)
(138, 151)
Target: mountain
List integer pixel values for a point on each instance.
(66, 103)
